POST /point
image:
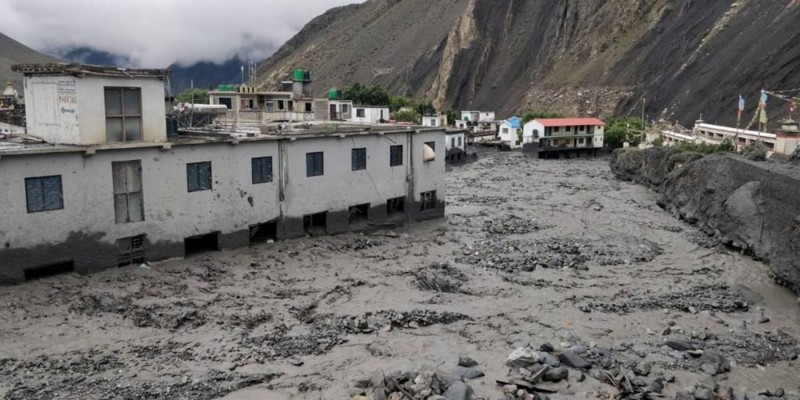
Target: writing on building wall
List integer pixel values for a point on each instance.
(67, 93)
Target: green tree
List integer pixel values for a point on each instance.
(408, 116)
(452, 117)
(366, 95)
(426, 108)
(398, 102)
(196, 96)
(532, 115)
(620, 130)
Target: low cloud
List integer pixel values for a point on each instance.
(156, 33)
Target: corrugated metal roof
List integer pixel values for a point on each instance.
(560, 122)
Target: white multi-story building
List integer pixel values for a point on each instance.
(478, 116)
(785, 140)
(567, 136)
(510, 132)
(111, 188)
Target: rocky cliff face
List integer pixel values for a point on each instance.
(687, 57)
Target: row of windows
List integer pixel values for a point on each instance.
(46, 194)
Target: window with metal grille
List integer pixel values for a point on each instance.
(44, 194)
(198, 176)
(128, 198)
(428, 200)
(359, 159)
(460, 141)
(361, 113)
(123, 114)
(262, 170)
(315, 164)
(395, 155)
(130, 250)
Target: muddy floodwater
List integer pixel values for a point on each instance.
(530, 252)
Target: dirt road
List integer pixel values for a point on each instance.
(530, 252)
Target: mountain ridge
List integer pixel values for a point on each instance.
(685, 58)
(13, 52)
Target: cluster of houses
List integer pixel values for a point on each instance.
(97, 181)
(785, 140)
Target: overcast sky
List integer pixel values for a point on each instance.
(156, 33)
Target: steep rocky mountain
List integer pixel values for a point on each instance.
(13, 52)
(686, 57)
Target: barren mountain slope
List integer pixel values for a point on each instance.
(686, 57)
(13, 52)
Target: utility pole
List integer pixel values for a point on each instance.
(644, 102)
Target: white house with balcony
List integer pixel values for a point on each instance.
(571, 136)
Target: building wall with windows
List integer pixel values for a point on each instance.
(70, 110)
(85, 228)
(370, 115)
(455, 140)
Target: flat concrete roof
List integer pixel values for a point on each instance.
(18, 145)
(85, 69)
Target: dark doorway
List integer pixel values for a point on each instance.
(49, 270)
(396, 206)
(261, 233)
(334, 116)
(201, 244)
(316, 224)
(359, 214)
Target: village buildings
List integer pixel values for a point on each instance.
(370, 115)
(478, 116)
(509, 132)
(110, 187)
(785, 140)
(563, 136)
(10, 98)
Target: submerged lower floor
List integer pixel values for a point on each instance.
(88, 252)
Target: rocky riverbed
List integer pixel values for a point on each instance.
(546, 278)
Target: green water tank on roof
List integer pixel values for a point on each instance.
(299, 75)
(334, 94)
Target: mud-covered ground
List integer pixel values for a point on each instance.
(531, 252)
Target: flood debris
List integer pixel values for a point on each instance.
(556, 253)
(424, 384)
(707, 297)
(512, 225)
(440, 277)
(450, 299)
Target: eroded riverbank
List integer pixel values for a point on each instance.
(531, 252)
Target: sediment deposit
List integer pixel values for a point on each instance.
(747, 205)
(555, 262)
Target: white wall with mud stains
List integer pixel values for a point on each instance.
(171, 211)
(340, 187)
(234, 203)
